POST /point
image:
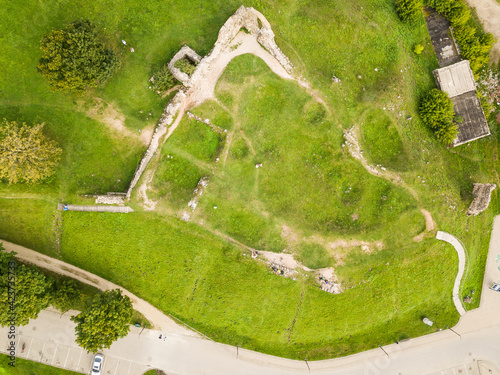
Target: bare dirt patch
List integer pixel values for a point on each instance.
(430, 225)
(109, 115)
(366, 247)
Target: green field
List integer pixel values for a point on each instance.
(24, 367)
(309, 193)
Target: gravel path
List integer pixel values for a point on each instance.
(157, 318)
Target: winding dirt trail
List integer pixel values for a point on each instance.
(157, 318)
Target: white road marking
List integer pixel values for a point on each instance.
(41, 352)
(79, 359)
(29, 349)
(129, 366)
(116, 369)
(55, 351)
(66, 361)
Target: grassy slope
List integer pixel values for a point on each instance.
(226, 295)
(24, 367)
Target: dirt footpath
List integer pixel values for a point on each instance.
(488, 12)
(157, 318)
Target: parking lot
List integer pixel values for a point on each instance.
(70, 357)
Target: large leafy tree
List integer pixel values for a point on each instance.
(74, 58)
(66, 294)
(26, 154)
(104, 321)
(24, 291)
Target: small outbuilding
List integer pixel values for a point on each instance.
(457, 80)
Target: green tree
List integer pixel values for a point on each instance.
(436, 111)
(24, 291)
(104, 321)
(26, 154)
(409, 10)
(65, 295)
(163, 80)
(74, 58)
(435, 108)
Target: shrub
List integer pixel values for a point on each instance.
(418, 49)
(186, 65)
(74, 58)
(409, 10)
(474, 48)
(455, 11)
(436, 107)
(447, 132)
(163, 80)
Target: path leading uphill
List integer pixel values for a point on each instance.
(157, 318)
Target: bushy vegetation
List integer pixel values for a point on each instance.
(409, 10)
(26, 154)
(475, 45)
(103, 321)
(186, 65)
(74, 58)
(436, 111)
(163, 80)
(455, 11)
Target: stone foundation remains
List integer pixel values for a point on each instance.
(244, 18)
(482, 197)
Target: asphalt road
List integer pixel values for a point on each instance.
(50, 338)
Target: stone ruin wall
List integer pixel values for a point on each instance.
(188, 52)
(166, 120)
(482, 198)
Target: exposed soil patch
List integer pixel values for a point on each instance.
(366, 247)
(115, 120)
(430, 226)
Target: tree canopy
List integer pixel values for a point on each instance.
(26, 154)
(30, 291)
(65, 295)
(74, 58)
(104, 321)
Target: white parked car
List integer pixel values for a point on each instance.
(97, 364)
(495, 287)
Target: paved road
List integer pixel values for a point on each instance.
(473, 346)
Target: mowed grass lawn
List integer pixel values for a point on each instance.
(216, 289)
